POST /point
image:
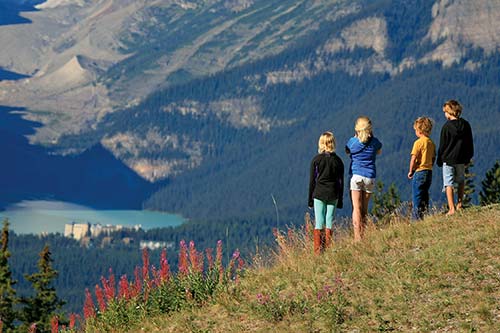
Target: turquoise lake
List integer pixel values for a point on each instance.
(50, 216)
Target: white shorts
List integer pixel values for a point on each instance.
(360, 183)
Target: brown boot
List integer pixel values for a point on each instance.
(328, 238)
(317, 241)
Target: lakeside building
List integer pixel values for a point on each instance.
(155, 245)
(81, 230)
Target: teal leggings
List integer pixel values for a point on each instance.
(324, 212)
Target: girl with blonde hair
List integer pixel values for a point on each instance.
(363, 149)
(326, 186)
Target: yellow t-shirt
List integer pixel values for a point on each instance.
(425, 153)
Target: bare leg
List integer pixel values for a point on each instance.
(366, 199)
(460, 194)
(357, 207)
(449, 197)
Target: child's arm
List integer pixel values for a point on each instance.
(412, 166)
(312, 184)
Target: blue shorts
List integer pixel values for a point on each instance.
(453, 175)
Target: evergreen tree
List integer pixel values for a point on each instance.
(469, 188)
(7, 292)
(490, 193)
(41, 307)
(385, 203)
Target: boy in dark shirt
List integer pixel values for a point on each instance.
(455, 151)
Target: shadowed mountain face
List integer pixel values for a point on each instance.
(224, 100)
(10, 11)
(92, 178)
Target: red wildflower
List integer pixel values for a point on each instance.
(123, 288)
(109, 286)
(210, 258)
(54, 325)
(218, 260)
(72, 321)
(137, 284)
(156, 276)
(193, 257)
(164, 267)
(88, 306)
(99, 294)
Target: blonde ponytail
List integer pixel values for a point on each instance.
(363, 129)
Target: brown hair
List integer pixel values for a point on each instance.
(423, 125)
(453, 108)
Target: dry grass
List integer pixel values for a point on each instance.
(439, 275)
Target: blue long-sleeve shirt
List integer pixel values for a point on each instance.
(363, 156)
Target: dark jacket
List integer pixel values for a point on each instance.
(455, 144)
(327, 179)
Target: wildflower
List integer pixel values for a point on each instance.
(156, 276)
(210, 258)
(338, 281)
(193, 257)
(32, 328)
(123, 290)
(137, 283)
(109, 286)
(72, 321)
(88, 306)
(100, 298)
(164, 266)
(218, 261)
(54, 324)
(262, 299)
(183, 260)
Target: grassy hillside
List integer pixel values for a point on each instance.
(438, 275)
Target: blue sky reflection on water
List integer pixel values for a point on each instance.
(51, 216)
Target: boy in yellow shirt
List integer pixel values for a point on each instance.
(423, 156)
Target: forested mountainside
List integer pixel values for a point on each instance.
(228, 142)
(221, 102)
